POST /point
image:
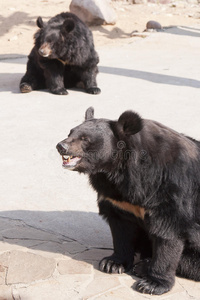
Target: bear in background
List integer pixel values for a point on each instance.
(62, 57)
(147, 177)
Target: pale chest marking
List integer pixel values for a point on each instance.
(63, 62)
(138, 211)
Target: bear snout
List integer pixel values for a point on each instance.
(62, 149)
(45, 50)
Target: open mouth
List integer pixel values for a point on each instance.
(69, 162)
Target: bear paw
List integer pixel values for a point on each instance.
(141, 268)
(93, 90)
(59, 91)
(148, 286)
(25, 87)
(111, 265)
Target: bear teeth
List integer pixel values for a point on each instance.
(67, 157)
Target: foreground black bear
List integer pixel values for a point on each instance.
(147, 177)
(63, 56)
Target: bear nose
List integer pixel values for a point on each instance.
(43, 52)
(62, 149)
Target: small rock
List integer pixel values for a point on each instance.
(13, 38)
(93, 12)
(153, 25)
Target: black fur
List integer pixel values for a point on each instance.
(63, 56)
(147, 177)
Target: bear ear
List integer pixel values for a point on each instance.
(40, 22)
(69, 25)
(129, 123)
(89, 114)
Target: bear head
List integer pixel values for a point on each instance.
(95, 145)
(52, 36)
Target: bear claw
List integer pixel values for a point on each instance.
(151, 287)
(25, 87)
(108, 265)
(59, 91)
(93, 90)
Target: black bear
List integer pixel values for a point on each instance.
(62, 57)
(147, 177)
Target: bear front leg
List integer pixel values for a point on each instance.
(189, 264)
(160, 271)
(89, 80)
(123, 234)
(33, 78)
(54, 76)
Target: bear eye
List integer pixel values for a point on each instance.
(84, 138)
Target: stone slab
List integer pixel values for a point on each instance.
(25, 267)
(72, 266)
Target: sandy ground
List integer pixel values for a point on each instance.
(17, 21)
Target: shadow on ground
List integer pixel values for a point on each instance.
(17, 18)
(71, 229)
(10, 81)
(183, 30)
(115, 33)
(152, 77)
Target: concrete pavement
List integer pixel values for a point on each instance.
(51, 237)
